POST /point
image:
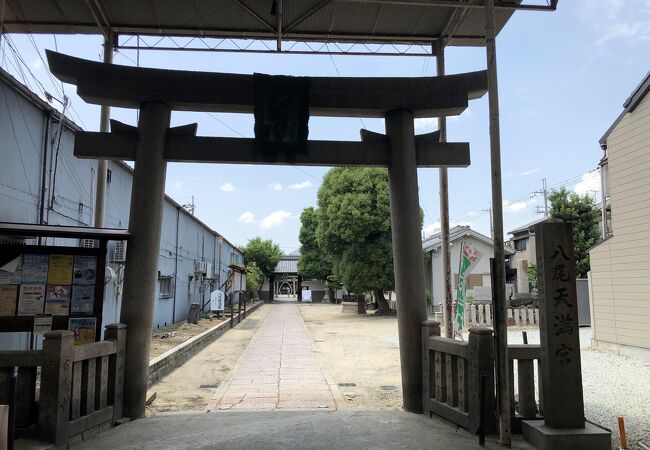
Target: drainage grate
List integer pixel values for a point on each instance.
(348, 384)
(388, 387)
(209, 386)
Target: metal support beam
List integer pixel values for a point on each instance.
(499, 276)
(497, 4)
(254, 15)
(278, 16)
(407, 254)
(145, 220)
(444, 211)
(2, 18)
(307, 14)
(102, 164)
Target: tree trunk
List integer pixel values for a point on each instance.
(383, 308)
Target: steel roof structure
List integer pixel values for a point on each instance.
(358, 23)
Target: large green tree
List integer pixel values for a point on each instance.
(264, 253)
(313, 263)
(254, 278)
(354, 230)
(580, 211)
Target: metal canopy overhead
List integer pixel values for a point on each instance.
(457, 22)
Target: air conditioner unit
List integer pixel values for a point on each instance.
(119, 252)
(200, 267)
(87, 243)
(208, 271)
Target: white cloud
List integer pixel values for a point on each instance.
(525, 173)
(275, 219)
(589, 184)
(426, 122)
(619, 21)
(178, 185)
(247, 217)
(37, 64)
(275, 186)
(228, 187)
(305, 184)
(511, 207)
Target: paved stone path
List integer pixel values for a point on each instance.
(278, 370)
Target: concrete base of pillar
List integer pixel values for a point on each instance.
(591, 437)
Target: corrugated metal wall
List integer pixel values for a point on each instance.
(184, 239)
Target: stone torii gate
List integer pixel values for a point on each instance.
(153, 143)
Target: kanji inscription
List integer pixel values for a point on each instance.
(559, 336)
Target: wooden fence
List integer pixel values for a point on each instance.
(481, 316)
(451, 378)
(79, 388)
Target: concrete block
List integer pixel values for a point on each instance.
(90, 433)
(591, 437)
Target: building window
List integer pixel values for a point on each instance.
(166, 287)
(520, 245)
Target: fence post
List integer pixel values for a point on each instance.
(429, 328)
(481, 363)
(56, 379)
(116, 332)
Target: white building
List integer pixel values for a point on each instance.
(480, 276)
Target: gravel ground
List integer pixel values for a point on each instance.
(612, 386)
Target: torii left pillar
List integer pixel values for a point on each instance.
(407, 253)
(147, 197)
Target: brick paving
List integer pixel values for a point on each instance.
(278, 370)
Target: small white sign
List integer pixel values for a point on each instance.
(306, 296)
(217, 301)
(42, 324)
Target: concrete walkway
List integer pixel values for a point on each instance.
(278, 370)
(251, 430)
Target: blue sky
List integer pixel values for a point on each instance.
(563, 78)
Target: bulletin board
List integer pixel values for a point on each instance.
(65, 283)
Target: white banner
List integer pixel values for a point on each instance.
(306, 295)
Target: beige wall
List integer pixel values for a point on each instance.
(521, 260)
(620, 266)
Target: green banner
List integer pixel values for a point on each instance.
(469, 257)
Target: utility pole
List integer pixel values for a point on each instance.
(104, 126)
(190, 206)
(489, 211)
(499, 276)
(543, 192)
(447, 312)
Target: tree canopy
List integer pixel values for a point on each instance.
(264, 253)
(353, 229)
(578, 210)
(254, 278)
(313, 263)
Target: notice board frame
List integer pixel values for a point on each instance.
(29, 231)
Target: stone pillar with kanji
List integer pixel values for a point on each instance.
(564, 423)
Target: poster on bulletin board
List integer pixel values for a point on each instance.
(85, 270)
(57, 299)
(31, 299)
(60, 269)
(8, 299)
(34, 269)
(83, 299)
